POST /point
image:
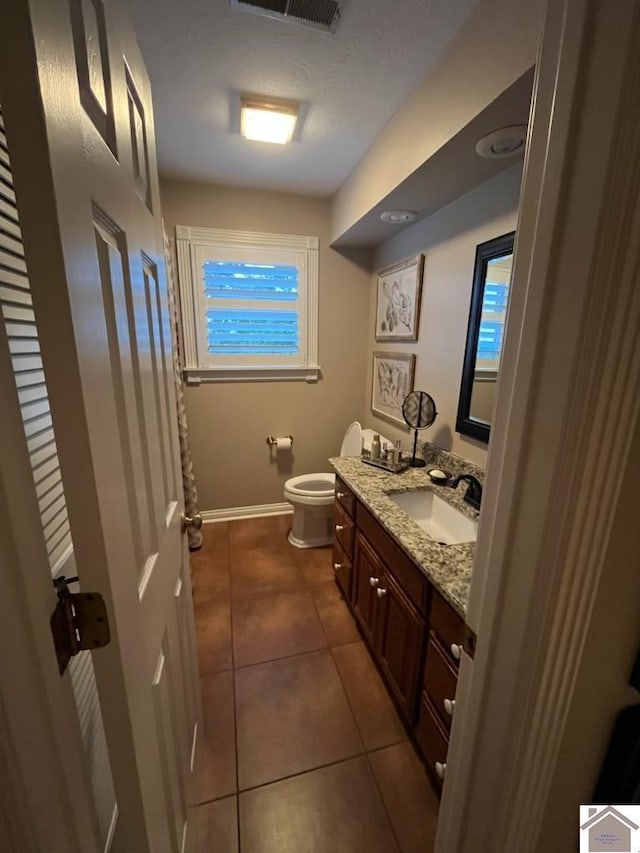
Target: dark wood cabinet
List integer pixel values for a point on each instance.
(343, 530)
(399, 640)
(342, 570)
(345, 497)
(367, 571)
(396, 607)
(440, 680)
(433, 740)
(448, 627)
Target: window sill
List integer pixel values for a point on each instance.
(199, 375)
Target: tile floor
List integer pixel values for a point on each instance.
(303, 749)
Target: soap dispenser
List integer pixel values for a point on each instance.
(375, 447)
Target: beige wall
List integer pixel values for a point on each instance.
(448, 239)
(229, 422)
(496, 46)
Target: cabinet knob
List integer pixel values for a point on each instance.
(374, 581)
(449, 705)
(341, 494)
(456, 651)
(337, 567)
(339, 527)
(440, 768)
(381, 592)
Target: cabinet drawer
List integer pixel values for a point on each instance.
(405, 572)
(432, 738)
(448, 626)
(343, 530)
(440, 679)
(342, 570)
(346, 498)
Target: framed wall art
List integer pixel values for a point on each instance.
(398, 305)
(393, 374)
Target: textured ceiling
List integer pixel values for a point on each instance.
(201, 55)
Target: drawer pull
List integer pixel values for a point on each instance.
(456, 651)
(374, 581)
(381, 592)
(449, 705)
(440, 768)
(340, 527)
(337, 567)
(341, 495)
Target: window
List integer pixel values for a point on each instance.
(494, 310)
(249, 305)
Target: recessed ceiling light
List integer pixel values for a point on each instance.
(262, 121)
(505, 142)
(398, 217)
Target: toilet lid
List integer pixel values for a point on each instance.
(352, 441)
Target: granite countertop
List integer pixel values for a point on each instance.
(448, 567)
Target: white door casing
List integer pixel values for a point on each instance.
(77, 103)
(568, 406)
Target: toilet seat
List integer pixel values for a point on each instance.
(312, 485)
(312, 489)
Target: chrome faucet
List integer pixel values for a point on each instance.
(473, 495)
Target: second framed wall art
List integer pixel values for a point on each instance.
(392, 380)
(398, 305)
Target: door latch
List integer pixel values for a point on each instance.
(78, 622)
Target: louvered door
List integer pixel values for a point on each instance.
(79, 119)
(26, 365)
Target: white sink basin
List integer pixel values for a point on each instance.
(436, 517)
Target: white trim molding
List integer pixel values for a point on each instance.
(233, 513)
(199, 366)
(196, 376)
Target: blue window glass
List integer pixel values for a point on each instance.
(252, 332)
(494, 300)
(490, 340)
(236, 280)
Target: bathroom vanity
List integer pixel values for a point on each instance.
(408, 594)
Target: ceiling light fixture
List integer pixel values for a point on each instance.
(398, 217)
(505, 142)
(264, 121)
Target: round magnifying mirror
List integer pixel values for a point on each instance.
(419, 412)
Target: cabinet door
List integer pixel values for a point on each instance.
(343, 529)
(342, 570)
(367, 573)
(399, 640)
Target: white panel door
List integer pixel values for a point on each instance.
(78, 113)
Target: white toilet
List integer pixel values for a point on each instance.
(312, 496)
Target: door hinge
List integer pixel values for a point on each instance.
(78, 622)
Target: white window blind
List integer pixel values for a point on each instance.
(494, 312)
(249, 305)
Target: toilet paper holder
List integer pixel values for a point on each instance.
(272, 440)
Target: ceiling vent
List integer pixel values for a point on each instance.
(320, 14)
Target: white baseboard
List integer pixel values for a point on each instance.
(211, 516)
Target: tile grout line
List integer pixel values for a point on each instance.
(305, 772)
(344, 689)
(235, 701)
(382, 800)
(307, 586)
(366, 752)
